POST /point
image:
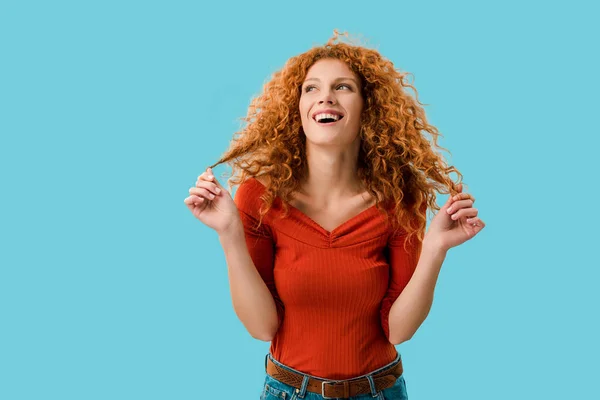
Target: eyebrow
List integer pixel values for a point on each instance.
(343, 78)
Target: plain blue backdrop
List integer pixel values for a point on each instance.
(109, 110)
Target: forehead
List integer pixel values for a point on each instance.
(329, 67)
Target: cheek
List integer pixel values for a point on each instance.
(302, 104)
(303, 111)
(358, 112)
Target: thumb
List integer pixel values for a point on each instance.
(450, 197)
(448, 203)
(459, 189)
(214, 178)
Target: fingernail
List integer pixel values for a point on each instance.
(449, 210)
(218, 190)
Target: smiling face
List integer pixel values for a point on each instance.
(331, 103)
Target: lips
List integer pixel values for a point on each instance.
(328, 111)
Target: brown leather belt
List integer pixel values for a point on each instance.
(336, 389)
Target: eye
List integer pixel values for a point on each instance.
(343, 84)
(307, 88)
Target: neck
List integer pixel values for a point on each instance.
(332, 175)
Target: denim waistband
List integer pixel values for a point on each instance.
(378, 370)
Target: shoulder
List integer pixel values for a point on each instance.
(412, 218)
(265, 180)
(248, 194)
(252, 185)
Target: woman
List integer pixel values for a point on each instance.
(325, 241)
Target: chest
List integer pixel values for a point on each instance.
(350, 274)
(333, 217)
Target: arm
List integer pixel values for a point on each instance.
(412, 306)
(251, 280)
(455, 223)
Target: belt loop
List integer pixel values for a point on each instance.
(302, 391)
(266, 358)
(372, 385)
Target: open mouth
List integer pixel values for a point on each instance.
(327, 119)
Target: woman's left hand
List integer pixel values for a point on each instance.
(456, 222)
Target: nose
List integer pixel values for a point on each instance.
(327, 97)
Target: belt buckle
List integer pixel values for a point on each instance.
(323, 390)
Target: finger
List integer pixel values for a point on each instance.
(461, 196)
(209, 176)
(192, 201)
(447, 204)
(208, 186)
(206, 176)
(202, 192)
(474, 219)
(476, 222)
(465, 212)
(452, 198)
(216, 182)
(457, 205)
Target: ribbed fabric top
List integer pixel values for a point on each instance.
(333, 289)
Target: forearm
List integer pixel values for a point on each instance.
(252, 301)
(412, 305)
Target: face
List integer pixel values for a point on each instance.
(331, 103)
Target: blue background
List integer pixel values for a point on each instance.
(111, 289)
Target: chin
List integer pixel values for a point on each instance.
(337, 140)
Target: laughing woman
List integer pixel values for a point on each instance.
(325, 242)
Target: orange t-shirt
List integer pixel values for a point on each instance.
(333, 289)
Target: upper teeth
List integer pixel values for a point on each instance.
(321, 116)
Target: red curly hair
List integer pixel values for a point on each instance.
(397, 163)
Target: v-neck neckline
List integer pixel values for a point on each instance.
(318, 226)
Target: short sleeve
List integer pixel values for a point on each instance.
(259, 240)
(402, 264)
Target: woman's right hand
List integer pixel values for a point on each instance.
(212, 204)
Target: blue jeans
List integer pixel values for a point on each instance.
(277, 390)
